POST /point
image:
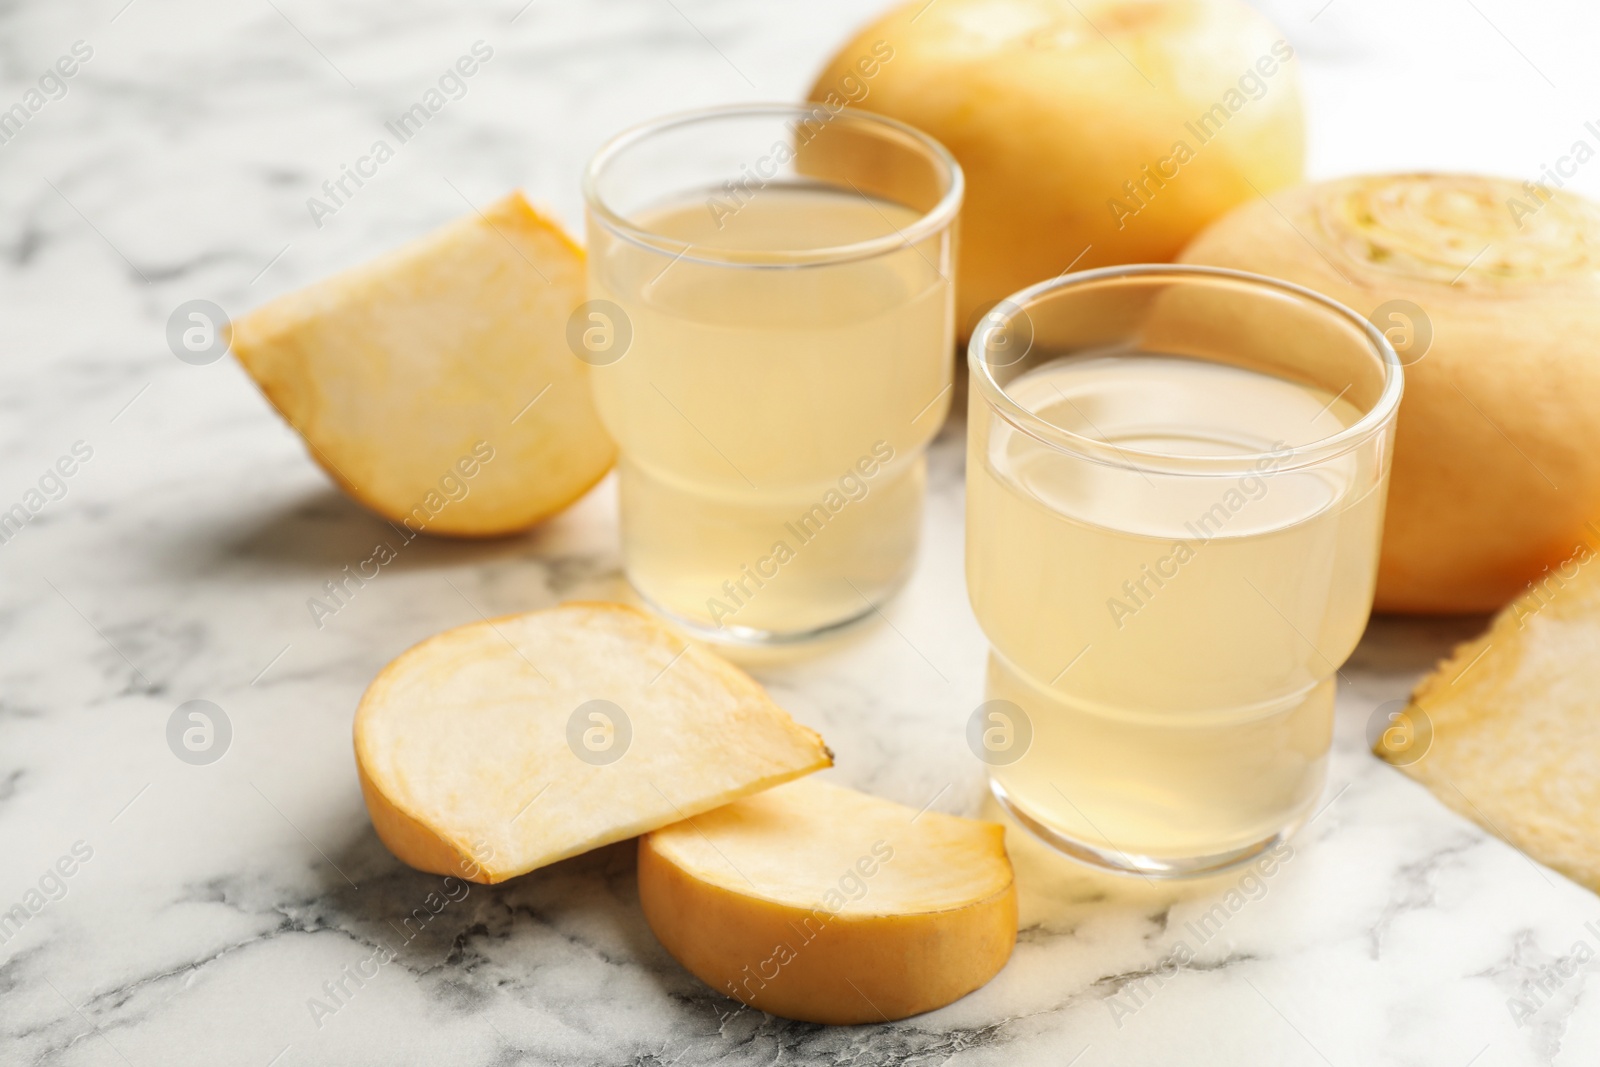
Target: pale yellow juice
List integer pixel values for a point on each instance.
(1172, 639)
(772, 417)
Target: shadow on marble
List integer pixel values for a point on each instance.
(758, 658)
(1055, 892)
(468, 944)
(323, 531)
(1395, 644)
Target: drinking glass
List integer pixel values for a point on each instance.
(1176, 481)
(771, 331)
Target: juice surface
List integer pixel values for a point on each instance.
(1172, 638)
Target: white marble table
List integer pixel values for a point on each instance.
(208, 905)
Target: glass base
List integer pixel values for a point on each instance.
(750, 637)
(1119, 862)
(760, 569)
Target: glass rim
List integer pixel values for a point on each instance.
(928, 223)
(1374, 421)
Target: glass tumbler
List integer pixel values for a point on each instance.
(770, 328)
(1175, 490)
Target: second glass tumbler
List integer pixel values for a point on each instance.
(1176, 480)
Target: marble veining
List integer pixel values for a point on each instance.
(243, 911)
